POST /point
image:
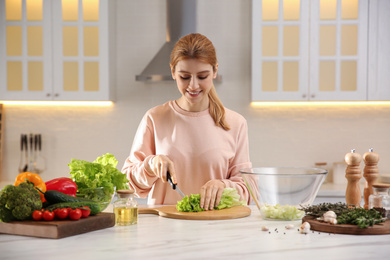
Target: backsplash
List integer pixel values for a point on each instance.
(278, 136)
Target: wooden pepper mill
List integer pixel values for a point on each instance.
(370, 173)
(353, 195)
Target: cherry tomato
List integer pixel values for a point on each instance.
(75, 214)
(47, 215)
(85, 212)
(37, 215)
(61, 213)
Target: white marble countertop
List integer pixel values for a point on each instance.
(157, 237)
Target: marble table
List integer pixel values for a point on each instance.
(157, 237)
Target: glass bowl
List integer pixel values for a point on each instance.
(99, 194)
(279, 192)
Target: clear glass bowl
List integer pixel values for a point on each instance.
(99, 194)
(284, 186)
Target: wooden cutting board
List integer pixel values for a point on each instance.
(317, 225)
(171, 212)
(58, 228)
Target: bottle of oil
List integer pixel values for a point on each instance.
(125, 208)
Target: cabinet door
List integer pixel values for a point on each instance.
(80, 50)
(54, 50)
(280, 50)
(379, 51)
(332, 57)
(338, 50)
(25, 50)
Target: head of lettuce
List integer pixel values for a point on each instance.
(99, 179)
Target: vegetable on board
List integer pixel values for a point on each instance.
(230, 198)
(19, 202)
(63, 184)
(33, 178)
(361, 217)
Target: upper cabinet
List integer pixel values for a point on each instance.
(316, 50)
(55, 50)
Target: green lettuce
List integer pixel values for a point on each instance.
(230, 198)
(101, 173)
(281, 212)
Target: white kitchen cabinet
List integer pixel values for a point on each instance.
(317, 50)
(56, 50)
(379, 50)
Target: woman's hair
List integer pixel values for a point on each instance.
(198, 46)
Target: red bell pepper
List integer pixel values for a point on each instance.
(63, 184)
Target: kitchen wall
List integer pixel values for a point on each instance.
(278, 135)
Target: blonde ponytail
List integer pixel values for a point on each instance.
(217, 110)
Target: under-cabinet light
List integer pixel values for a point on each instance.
(57, 103)
(319, 103)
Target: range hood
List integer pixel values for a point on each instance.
(181, 20)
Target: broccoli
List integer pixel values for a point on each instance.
(19, 202)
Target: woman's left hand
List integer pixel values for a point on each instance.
(211, 193)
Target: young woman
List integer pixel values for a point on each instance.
(202, 144)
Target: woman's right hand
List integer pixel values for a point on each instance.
(160, 165)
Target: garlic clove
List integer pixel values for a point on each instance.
(305, 228)
(290, 226)
(264, 228)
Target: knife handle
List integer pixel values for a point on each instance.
(169, 179)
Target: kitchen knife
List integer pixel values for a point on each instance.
(174, 186)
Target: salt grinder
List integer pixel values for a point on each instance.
(353, 174)
(370, 173)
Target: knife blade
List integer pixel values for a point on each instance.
(174, 186)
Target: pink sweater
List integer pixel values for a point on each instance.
(199, 150)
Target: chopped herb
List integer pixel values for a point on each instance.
(319, 210)
(361, 217)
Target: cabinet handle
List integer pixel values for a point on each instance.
(313, 95)
(48, 95)
(304, 95)
(56, 94)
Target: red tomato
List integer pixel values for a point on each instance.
(75, 214)
(62, 213)
(37, 215)
(47, 215)
(85, 212)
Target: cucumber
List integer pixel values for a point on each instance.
(54, 196)
(94, 206)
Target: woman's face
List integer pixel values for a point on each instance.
(194, 80)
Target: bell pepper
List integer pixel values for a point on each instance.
(62, 184)
(35, 179)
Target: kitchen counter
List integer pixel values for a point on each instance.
(157, 237)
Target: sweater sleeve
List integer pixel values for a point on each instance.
(136, 165)
(240, 161)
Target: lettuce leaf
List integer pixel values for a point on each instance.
(278, 211)
(100, 173)
(230, 198)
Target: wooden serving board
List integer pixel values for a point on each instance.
(171, 212)
(58, 228)
(317, 225)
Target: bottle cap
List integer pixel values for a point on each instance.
(124, 192)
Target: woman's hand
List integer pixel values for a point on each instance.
(160, 165)
(211, 193)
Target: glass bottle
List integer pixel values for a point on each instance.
(380, 199)
(125, 208)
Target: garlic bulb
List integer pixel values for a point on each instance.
(264, 228)
(330, 216)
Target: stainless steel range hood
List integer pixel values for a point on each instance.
(181, 20)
